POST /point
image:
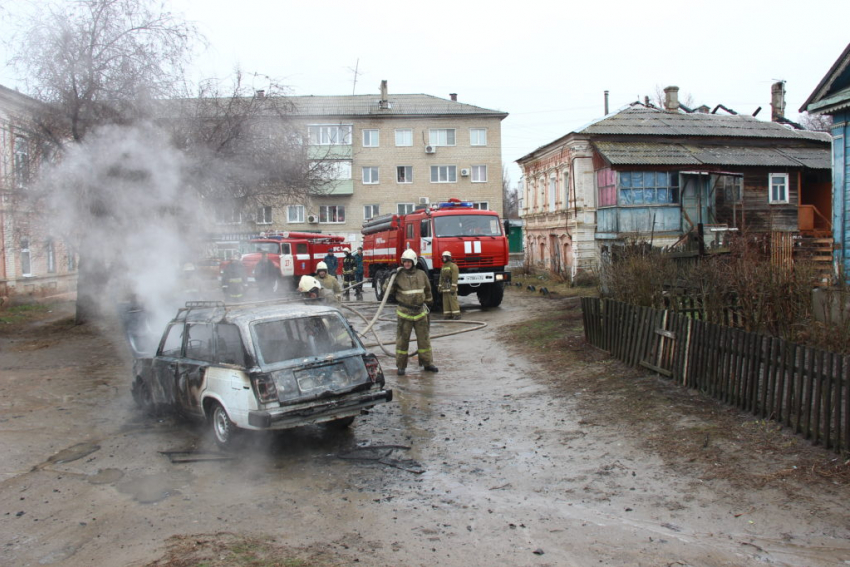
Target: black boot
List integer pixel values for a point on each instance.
(400, 371)
(431, 368)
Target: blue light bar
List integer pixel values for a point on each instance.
(466, 204)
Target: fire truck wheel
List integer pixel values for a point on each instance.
(379, 283)
(491, 295)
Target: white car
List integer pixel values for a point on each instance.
(259, 367)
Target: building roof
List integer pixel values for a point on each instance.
(399, 105)
(833, 91)
(657, 153)
(641, 120)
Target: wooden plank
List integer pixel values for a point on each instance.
(768, 394)
(828, 385)
(657, 369)
(789, 385)
(756, 373)
(664, 333)
(817, 396)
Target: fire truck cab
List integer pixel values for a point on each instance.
(474, 237)
(294, 254)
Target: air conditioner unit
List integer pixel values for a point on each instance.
(424, 200)
(312, 219)
(464, 173)
(430, 150)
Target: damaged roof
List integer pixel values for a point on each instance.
(399, 105)
(644, 121)
(657, 153)
(833, 92)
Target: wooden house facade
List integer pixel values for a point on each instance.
(658, 174)
(832, 97)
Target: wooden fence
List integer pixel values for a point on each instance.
(803, 388)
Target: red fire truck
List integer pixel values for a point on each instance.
(295, 254)
(474, 237)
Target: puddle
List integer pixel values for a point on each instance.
(73, 453)
(105, 476)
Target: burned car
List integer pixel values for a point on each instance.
(259, 367)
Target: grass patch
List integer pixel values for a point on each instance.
(236, 550)
(23, 313)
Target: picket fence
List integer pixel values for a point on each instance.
(800, 387)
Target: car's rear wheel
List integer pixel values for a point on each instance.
(223, 429)
(142, 395)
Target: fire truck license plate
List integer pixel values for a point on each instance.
(475, 278)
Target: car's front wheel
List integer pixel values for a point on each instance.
(341, 423)
(223, 429)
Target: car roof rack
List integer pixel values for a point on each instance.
(203, 304)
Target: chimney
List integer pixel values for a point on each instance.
(453, 96)
(384, 102)
(777, 101)
(606, 103)
(671, 99)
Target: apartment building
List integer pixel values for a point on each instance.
(390, 154)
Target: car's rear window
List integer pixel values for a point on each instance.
(303, 337)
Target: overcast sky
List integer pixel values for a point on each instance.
(545, 62)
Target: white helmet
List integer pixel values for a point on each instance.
(446, 253)
(321, 266)
(308, 284)
(408, 254)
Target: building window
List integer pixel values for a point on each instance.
(330, 134)
(732, 186)
(22, 161)
(371, 138)
(404, 137)
(405, 208)
(370, 211)
(479, 173)
(404, 174)
(443, 174)
(778, 188)
(26, 265)
(553, 192)
(606, 187)
(481, 205)
(441, 137)
(264, 215)
(330, 214)
(477, 136)
(225, 214)
(370, 175)
(72, 260)
(50, 252)
(649, 188)
(295, 213)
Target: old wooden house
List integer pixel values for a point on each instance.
(832, 97)
(660, 174)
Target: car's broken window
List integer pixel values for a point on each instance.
(229, 349)
(173, 343)
(199, 342)
(303, 337)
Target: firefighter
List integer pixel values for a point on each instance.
(349, 264)
(448, 287)
(358, 274)
(328, 281)
(312, 289)
(413, 294)
(265, 274)
(331, 263)
(233, 280)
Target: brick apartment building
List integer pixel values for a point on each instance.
(391, 153)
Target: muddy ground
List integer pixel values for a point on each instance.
(527, 448)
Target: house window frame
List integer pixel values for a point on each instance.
(481, 205)
(439, 137)
(50, 253)
(336, 214)
(786, 189)
(371, 175)
(552, 200)
(232, 215)
(262, 218)
(479, 136)
(329, 134)
(475, 173)
(401, 176)
(406, 136)
(451, 173)
(371, 138)
(672, 190)
(405, 208)
(26, 258)
(299, 211)
(371, 211)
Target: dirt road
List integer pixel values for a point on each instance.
(488, 462)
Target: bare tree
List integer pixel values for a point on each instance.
(816, 122)
(510, 196)
(96, 63)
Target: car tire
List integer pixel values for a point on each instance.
(342, 423)
(223, 429)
